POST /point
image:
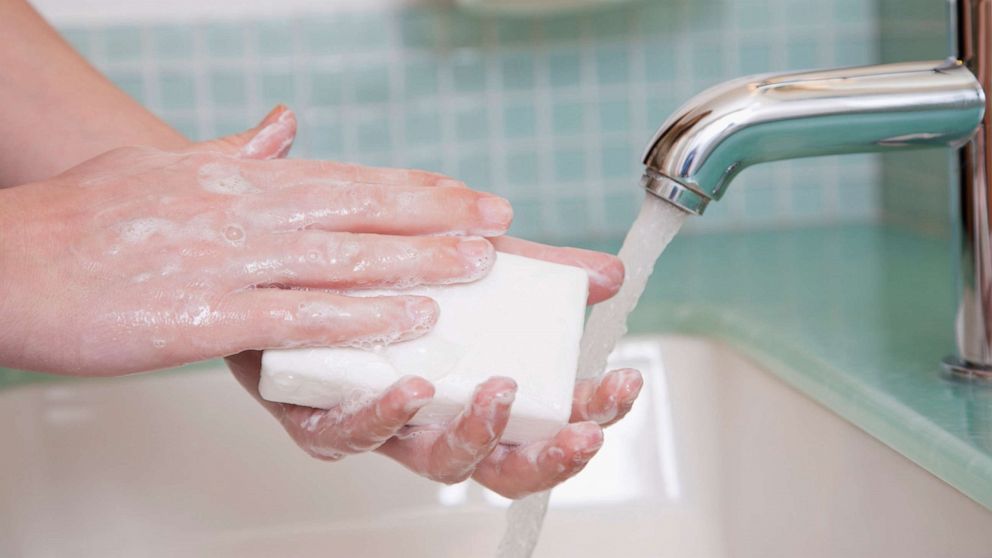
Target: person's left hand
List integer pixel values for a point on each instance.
(468, 446)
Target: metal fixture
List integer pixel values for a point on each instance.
(699, 150)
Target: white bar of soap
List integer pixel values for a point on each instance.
(523, 320)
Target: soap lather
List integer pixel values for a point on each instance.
(523, 320)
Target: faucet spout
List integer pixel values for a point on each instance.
(699, 150)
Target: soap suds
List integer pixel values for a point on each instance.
(140, 230)
(224, 178)
(234, 235)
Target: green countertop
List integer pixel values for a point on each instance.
(857, 317)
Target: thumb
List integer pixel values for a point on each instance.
(270, 139)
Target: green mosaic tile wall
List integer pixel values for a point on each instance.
(915, 185)
(553, 112)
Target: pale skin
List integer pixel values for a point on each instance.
(116, 260)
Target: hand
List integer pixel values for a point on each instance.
(466, 447)
(142, 258)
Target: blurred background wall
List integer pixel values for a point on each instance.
(551, 112)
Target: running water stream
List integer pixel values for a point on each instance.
(652, 231)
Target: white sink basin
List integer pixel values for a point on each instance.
(718, 459)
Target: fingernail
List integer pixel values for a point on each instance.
(591, 432)
(422, 311)
(506, 395)
(276, 111)
(477, 250)
(417, 392)
(631, 381)
(496, 211)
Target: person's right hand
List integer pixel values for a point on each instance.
(141, 259)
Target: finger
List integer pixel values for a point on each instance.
(270, 139)
(515, 472)
(356, 428)
(276, 318)
(368, 208)
(605, 271)
(274, 138)
(344, 260)
(313, 430)
(607, 399)
(318, 171)
(474, 433)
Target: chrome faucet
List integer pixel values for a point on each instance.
(699, 150)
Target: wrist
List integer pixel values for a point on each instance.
(9, 250)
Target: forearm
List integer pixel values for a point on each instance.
(56, 108)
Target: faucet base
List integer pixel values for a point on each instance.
(957, 369)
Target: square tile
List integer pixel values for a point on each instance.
(803, 54)
(614, 116)
(227, 88)
(569, 165)
(612, 64)
(476, 170)
(854, 52)
(370, 84)
(365, 31)
(323, 35)
(621, 208)
(471, 123)
(568, 118)
(276, 88)
(177, 90)
(468, 72)
(122, 43)
(573, 215)
(517, 70)
(522, 170)
(659, 108)
(420, 79)
(274, 39)
(420, 27)
(225, 40)
(422, 127)
(528, 219)
(373, 134)
(619, 161)
(564, 69)
(660, 60)
(754, 57)
(326, 141)
(515, 31)
(464, 30)
(172, 42)
(519, 120)
(614, 23)
(561, 28)
(327, 87)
